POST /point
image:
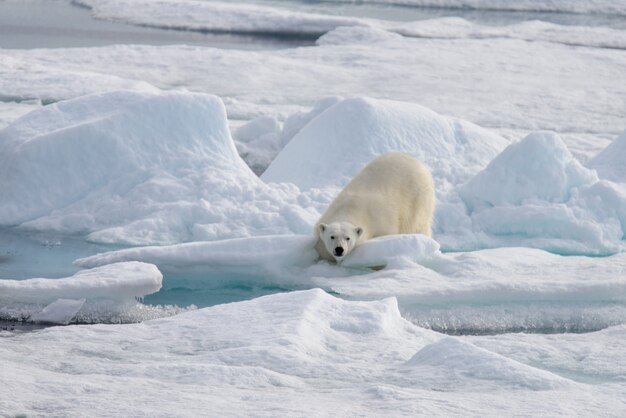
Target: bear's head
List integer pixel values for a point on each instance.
(339, 238)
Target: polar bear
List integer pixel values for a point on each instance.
(393, 194)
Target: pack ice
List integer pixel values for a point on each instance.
(305, 353)
(161, 168)
(137, 168)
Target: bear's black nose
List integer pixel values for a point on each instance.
(339, 251)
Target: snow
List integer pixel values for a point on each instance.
(215, 16)
(160, 168)
(551, 91)
(497, 290)
(61, 311)
(253, 18)
(266, 252)
(136, 168)
(286, 256)
(535, 193)
(300, 353)
(534, 30)
(355, 131)
(131, 145)
(563, 6)
(112, 288)
(393, 251)
(538, 167)
(451, 360)
(345, 35)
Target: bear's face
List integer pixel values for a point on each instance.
(339, 238)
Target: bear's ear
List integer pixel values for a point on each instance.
(358, 231)
(322, 227)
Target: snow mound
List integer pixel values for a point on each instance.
(540, 167)
(61, 300)
(535, 194)
(610, 163)
(355, 131)
(449, 360)
(137, 168)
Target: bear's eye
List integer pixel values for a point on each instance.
(332, 237)
(348, 239)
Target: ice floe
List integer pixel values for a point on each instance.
(145, 168)
(216, 16)
(302, 353)
(535, 30)
(495, 290)
(562, 6)
(109, 291)
(552, 92)
(136, 168)
(161, 167)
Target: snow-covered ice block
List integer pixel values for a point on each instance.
(112, 142)
(119, 281)
(137, 168)
(60, 300)
(336, 144)
(535, 194)
(538, 168)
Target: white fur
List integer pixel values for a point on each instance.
(393, 194)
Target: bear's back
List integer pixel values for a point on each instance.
(393, 194)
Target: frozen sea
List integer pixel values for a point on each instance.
(162, 164)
